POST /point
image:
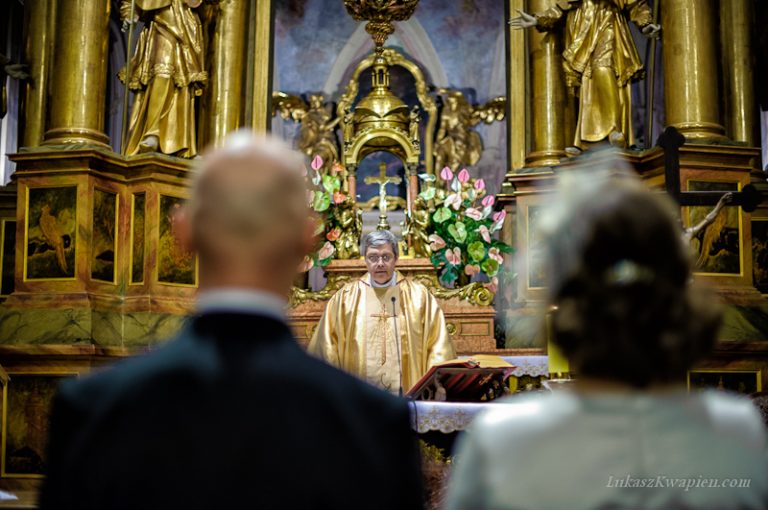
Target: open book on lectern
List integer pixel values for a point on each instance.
(478, 378)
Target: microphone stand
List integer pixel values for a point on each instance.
(397, 344)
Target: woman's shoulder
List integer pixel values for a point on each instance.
(734, 415)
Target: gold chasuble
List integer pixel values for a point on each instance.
(357, 332)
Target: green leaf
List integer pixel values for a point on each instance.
(427, 177)
(322, 202)
(458, 231)
(476, 251)
(490, 267)
(441, 215)
(331, 184)
(428, 194)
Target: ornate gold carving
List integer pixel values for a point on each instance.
(476, 293)
(415, 228)
(451, 327)
(350, 220)
(359, 140)
(457, 143)
(380, 14)
(317, 133)
(300, 296)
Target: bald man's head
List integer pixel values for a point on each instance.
(248, 208)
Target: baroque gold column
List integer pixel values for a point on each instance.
(225, 90)
(516, 89)
(262, 66)
(736, 18)
(79, 73)
(39, 27)
(690, 68)
(547, 94)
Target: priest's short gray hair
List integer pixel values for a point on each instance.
(379, 238)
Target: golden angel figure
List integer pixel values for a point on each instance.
(416, 227)
(167, 72)
(600, 61)
(350, 222)
(317, 135)
(457, 143)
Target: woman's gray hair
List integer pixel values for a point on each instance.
(379, 238)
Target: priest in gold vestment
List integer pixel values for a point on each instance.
(382, 327)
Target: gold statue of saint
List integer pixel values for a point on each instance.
(317, 135)
(457, 143)
(600, 61)
(416, 227)
(166, 73)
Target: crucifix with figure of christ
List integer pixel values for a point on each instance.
(382, 180)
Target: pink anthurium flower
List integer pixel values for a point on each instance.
(446, 174)
(474, 214)
(437, 242)
(464, 176)
(333, 234)
(471, 269)
(496, 255)
(326, 251)
(453, 200)
(485, 233)
(488, 200)
(499, 216)
(479, 184)
(453, 256)
(339, 197)
(493, 285)
(317, 163)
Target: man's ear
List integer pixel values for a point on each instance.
(183, 230)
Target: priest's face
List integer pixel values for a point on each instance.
(381, 261)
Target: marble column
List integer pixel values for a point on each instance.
(39, 29)
(736, 50)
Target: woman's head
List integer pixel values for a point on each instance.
(621, 286)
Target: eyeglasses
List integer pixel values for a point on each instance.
(386, 258)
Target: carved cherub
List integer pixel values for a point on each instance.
(317, 135)
(457, 143)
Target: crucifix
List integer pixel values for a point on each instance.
(382, 180)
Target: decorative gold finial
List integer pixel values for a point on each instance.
(380, 14)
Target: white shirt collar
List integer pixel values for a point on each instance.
(241, 300)
(390, 283)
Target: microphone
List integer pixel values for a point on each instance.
(397, 343)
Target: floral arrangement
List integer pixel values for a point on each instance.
(463, 225)
(323, 196)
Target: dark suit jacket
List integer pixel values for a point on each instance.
(232, 414)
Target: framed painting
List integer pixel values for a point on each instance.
(50, 235)
(7, 257)
(138, 236)
(738, 381)
(719, 245)
(760, 254)
(104, 238)
(175, 264)
(27, 402)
